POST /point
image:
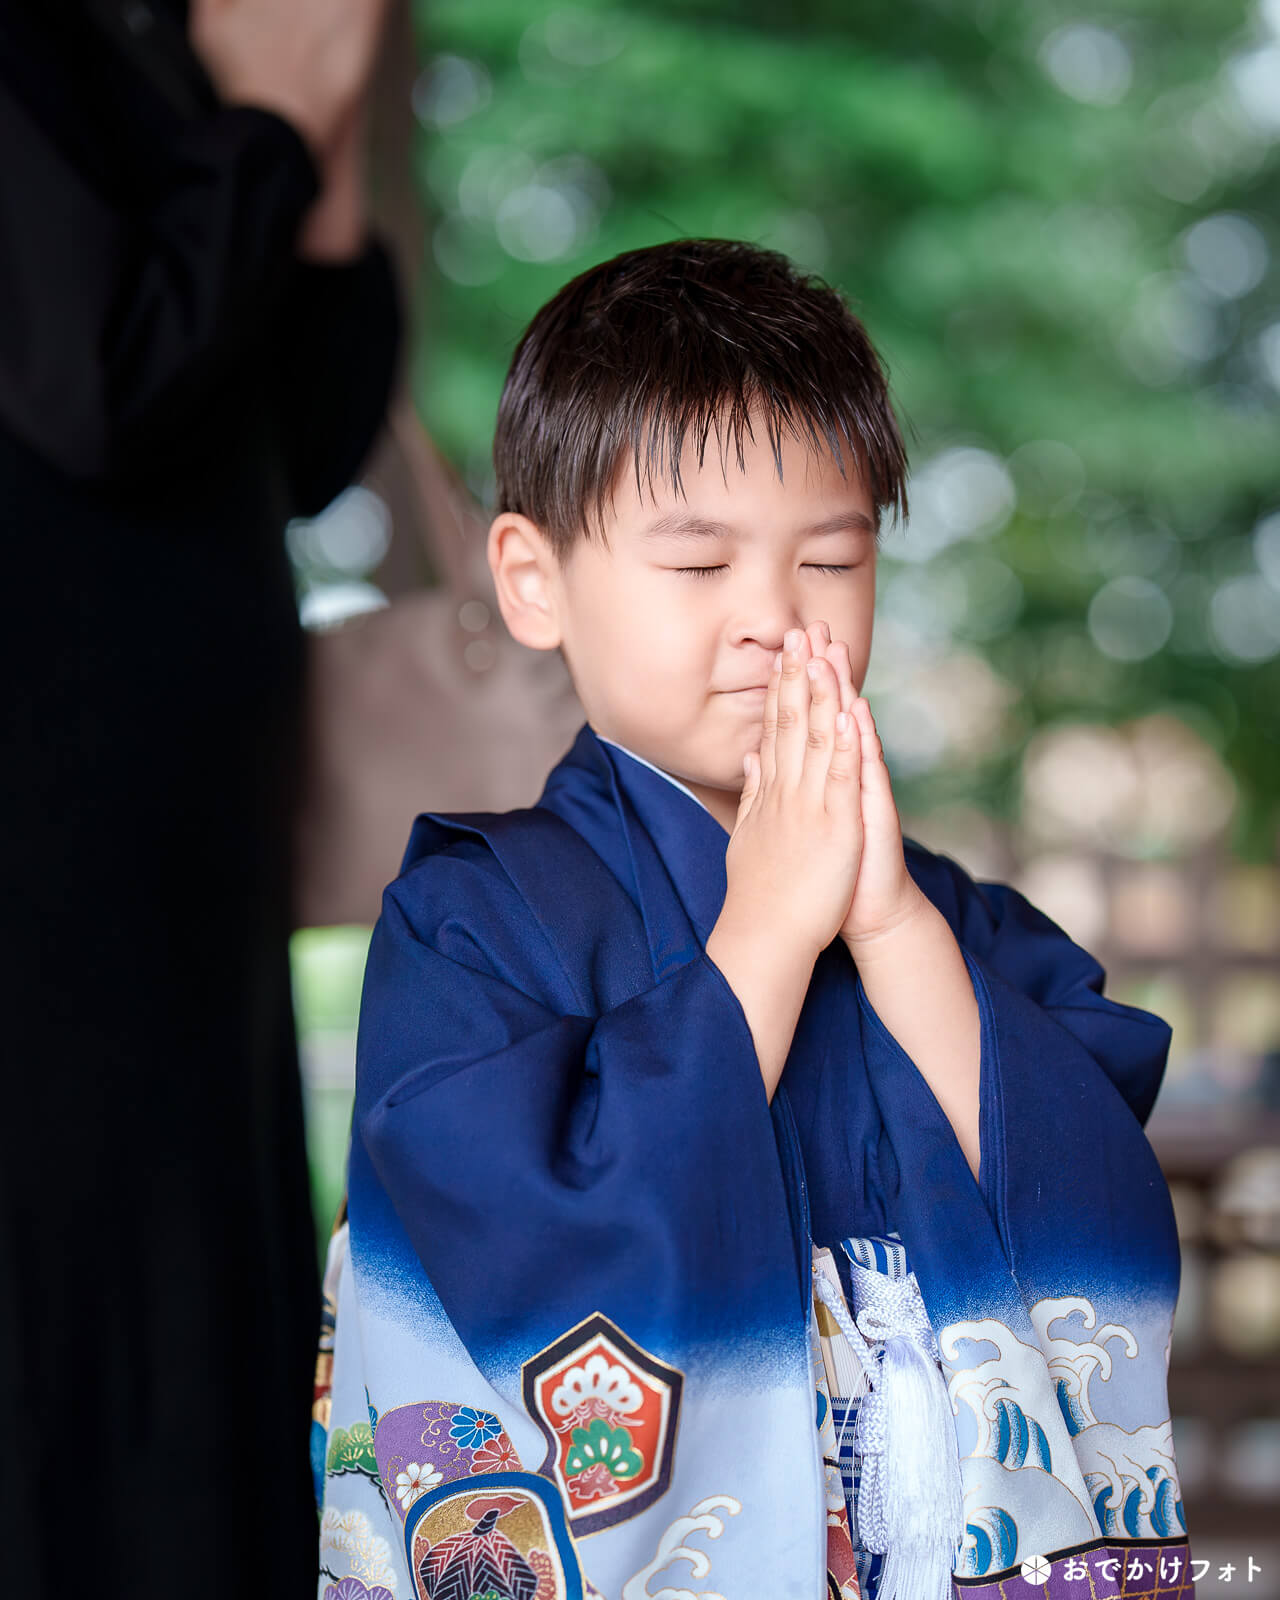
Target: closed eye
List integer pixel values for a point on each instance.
(814, 566)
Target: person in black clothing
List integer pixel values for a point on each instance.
(197, 341)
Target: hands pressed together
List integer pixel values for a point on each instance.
(816, 850)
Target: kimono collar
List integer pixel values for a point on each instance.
(614, 799)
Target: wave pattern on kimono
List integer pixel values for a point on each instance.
(575, 1349)
(1132, 1510)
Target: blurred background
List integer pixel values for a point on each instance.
(1059, 223)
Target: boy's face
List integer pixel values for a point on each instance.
(670, 632)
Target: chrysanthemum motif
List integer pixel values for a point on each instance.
(598, 1387)
(473, 1428)
(415, 1480)
(499, 1455)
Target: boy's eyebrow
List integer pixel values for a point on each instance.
(685, 525)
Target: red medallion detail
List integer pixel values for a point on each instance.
(608, 1410)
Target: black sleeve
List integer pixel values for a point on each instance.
(337, 339)
(113, 329)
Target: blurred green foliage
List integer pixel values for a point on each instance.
(328, 969)
(327, 966)
(1005, 191)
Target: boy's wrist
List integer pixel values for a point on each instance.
(763, 943)
(769, 973)
(895, 934)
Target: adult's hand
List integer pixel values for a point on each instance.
(307, 60)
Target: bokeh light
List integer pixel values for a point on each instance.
(1089, 63)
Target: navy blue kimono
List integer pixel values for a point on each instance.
(574, 1346)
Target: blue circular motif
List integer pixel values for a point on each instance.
(473, 1428)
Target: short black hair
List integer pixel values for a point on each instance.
(673, 342)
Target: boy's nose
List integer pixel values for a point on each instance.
(766, 628)
(763, 604)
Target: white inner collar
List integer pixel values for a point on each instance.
(682, 787)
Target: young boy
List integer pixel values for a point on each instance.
(689, 1098)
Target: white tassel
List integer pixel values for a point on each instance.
(910, 1498)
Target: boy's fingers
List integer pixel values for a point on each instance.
(824, 703)
(879, 810)
(769, 723)
(844, 772)
(793, 710)
(750, 786)
(838, 656)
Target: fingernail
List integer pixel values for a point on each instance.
(777, 664)
(811, 667)
(791, 639)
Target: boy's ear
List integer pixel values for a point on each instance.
(524, 571)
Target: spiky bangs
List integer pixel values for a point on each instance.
(667, 346)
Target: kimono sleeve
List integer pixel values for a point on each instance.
(1067, 1080)
(1021, 951)
(547, 1163)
